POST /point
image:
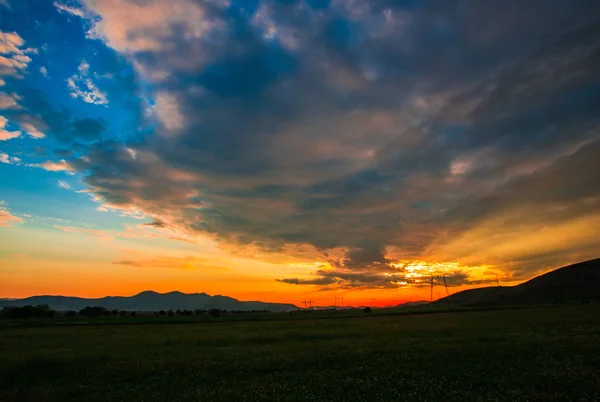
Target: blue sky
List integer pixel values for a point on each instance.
(347, 138)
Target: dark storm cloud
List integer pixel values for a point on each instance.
(378, 127)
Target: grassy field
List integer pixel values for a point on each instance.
(550, 353)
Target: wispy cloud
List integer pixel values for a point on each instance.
(5, 158)
(185, 263)
(63, 184)
(55, 166)
(76, 11)
(6, 217)
(14, 57)
(9, 101)
(81, 86)
(6, 135)
(44, 72)
(32, 130)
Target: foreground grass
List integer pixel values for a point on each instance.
(523, 354)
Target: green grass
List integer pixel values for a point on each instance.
(521, 354)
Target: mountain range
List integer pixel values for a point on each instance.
(150, 301)
(575, 282)
(572, 283)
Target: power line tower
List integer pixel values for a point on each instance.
(446, 285)
(307, 303)
(431, 289)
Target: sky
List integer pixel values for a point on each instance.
(296, 150)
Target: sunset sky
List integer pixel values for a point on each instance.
(296, 150)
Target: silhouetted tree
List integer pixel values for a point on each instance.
(26, 312)
(133, 314)
(367, 310)
(71, 313)
(213, 312)
(95, 311)
(170, 313)
(162, 312)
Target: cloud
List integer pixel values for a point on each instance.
(6, 135)
(63, 184)
(156, 224)
(131, 232)
(55, 166)
(402, 274)
(32, 130)
(185, 263)
(64, 8)
(167, 110)
(386, 134)
(6, 217)
(5, 158)
(102, 234)
(9, 101)
(155, 22)
(44, 72)
(39, 116)
(14, 58)
(81, 86)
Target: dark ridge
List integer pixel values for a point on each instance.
(576, 282)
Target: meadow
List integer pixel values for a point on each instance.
(544, 353)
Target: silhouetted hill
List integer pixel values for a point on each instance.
(151, 301)
(571, 283)
(413, 303)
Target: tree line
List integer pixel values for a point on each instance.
(44, 311)
(39, 311)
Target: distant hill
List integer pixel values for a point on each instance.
(571, 283)
(151, 301)
(413, 303)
